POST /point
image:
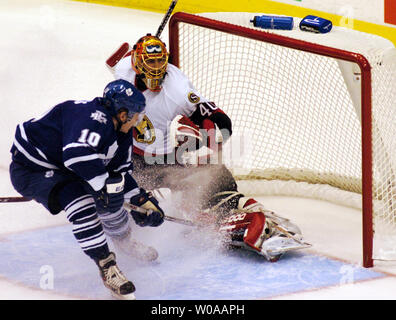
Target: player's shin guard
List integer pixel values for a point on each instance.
(81, 212)
(115, 224)
(87, 228)
(247, 229)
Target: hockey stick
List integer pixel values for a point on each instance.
(130, 206)
(14, 199)
(166, 18)
(120, 53)
(127, 206)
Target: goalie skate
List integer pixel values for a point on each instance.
(279, 244)
(287, 237)
(275, 247)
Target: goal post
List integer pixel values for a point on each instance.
(318, 108)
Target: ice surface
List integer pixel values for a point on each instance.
(190, 267)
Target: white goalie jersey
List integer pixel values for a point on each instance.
(177, 97)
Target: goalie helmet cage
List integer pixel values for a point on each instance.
(319, 108)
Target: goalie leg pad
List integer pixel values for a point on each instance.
(249, 227)
(257, 231)
(250, 204)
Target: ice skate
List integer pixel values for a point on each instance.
(113, 279)
(279, 244)
(135, 249)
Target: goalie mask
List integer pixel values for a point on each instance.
(150, 61)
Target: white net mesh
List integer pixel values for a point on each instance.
(296, 115)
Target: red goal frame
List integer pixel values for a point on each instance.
(366, 93)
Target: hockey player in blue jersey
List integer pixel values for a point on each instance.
(77, 158)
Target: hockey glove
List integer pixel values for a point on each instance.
(185, 132)
(111, 197)
(154, 216)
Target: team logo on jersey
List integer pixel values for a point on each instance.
(129, 92)
(193, 98)
(99, 116)
(49, 174)
(144, 132)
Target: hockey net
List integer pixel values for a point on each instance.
(309, 109)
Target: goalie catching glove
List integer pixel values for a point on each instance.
(185, 132)
(152, 215)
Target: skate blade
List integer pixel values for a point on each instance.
(282, 250)
(129, 296)
(281, 244)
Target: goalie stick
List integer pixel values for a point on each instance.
(125, 48)
(127, 206)
(14, 199)
(166, 18)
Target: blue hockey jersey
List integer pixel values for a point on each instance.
(77, 136)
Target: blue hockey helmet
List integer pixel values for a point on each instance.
(121, 95)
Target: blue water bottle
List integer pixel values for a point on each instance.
(273, 22)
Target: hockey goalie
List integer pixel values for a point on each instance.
(179, 122)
